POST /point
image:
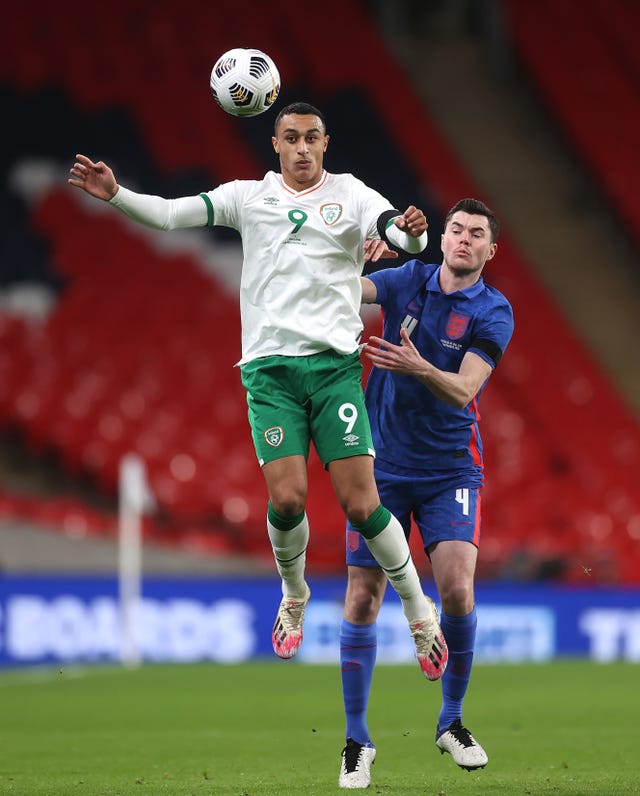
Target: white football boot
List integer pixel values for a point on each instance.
(355, 769)
(462, 746)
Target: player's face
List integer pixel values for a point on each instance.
(466, 243)
(301, 142)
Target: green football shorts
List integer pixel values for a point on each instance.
(294, 400)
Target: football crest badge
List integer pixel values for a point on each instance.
(353, 540)
(457, 324)
(331, 213)
(273, 436)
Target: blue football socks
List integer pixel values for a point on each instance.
(358, 647)
(460, 635)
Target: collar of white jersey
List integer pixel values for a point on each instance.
(315, 187)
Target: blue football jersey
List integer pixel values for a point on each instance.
(412, 429)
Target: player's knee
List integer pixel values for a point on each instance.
(288, 506)
(358, 510)
(362, 603)
(362, 610)
(457, 597)
(288, 502)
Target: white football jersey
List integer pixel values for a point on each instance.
(303, 256)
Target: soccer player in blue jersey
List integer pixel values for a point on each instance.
(445, 331)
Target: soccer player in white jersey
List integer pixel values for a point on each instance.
(306, 234)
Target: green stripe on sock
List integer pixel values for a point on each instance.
(390, 572)
(281, 522)
(375, 523)
(285, 563)
(207, 202)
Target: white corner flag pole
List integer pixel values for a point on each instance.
(133, 499)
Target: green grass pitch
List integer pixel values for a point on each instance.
(276, 728)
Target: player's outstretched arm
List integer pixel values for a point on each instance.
(96, 179)
(456, 389)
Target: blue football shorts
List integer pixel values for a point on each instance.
(445, 506)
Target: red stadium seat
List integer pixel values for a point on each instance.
(152, 368)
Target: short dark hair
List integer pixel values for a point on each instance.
(476, 208)
(300, 109)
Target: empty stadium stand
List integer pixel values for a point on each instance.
(586, 65)
(138, 351)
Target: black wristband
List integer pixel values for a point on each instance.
(383, 220)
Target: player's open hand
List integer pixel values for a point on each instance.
(403, 358)
(376, 249)
(95, 178)
(412, 221)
